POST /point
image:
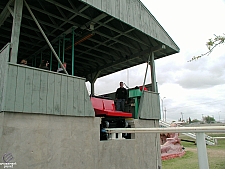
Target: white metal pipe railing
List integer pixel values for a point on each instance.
(216, 129)
(200, 137)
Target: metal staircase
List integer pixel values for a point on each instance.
(208, 139)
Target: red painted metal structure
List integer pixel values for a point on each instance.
(106, 108)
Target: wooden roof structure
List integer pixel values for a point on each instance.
(107, 35)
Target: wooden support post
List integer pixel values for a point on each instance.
(153, 77)
(18, 9)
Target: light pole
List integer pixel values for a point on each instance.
(165, 114)
(182, 116)
(219, 115)
(162, 107)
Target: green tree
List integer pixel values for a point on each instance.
(211, 44)
(209, 119)
(195, 121)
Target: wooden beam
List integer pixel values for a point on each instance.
(18, 9)
(5, 13)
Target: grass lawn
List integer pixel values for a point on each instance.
(216, 155)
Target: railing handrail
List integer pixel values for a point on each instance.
(43, 70)
(200, 137)
(216, 129)
(4, 47)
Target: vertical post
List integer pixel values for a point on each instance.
(35, 62)
(162, 108)
(113, 136)
(92, 88)
(145, 74)
(73, 51)
(51, 61)
(136, 108)
(63, 52)
(202, 152)
(41, 57)
(120, 135)
(152, 62)
(18, 9)
(59, 53)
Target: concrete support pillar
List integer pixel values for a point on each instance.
(17, 18)
(153, 77)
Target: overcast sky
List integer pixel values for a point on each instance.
(193, 88)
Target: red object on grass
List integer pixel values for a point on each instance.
(105, 107)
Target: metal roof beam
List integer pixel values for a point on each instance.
(96, 49)
(124, 34)
(87, 58)
(118, 41)
(52, 20)
(133, 56)
(75, 11)
(50, 14)
(43, 23)
(90, 54)
(5, 13)
(103, 43)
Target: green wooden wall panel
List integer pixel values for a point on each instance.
(20, 88)
(4, 57)
(80, 101)
(81, 107)
(57, 99)
(122, 9)
(11, 89)
(70, 94)
(35, 104)
(51, 94)
(149, 107)
(43, 92)
(115, 5)
(64, 96)
(97, 3)
(156, 106)
(76, 98)
(33, 90)
(28, 92)
(89, 111)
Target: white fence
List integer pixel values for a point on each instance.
(209, 140)
(200, 137)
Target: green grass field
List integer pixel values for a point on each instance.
(216, 155)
